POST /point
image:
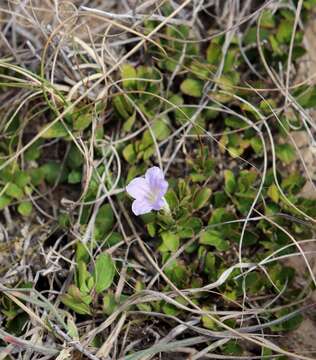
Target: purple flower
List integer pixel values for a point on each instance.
(148, 191)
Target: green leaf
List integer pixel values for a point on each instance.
(170, 240)
(104, 221)
(16, 325)
(251, 36)
(193, 223)
(231, 59)
(306, 96)
(99, 132)
(81, 253)
(72, 329)
(276, 48)
(256, 144)
(7, 175)
(200, 70)
(174, 101)
(298, 51)
(74, 292)
(266, 105)
(213, 238)
(4, 201)
(109, 304)
(151, 228)
(293, 323)
(122, 106)
(285, 153)
(51, 171)
(149, 218)
(83, 276)
(21, 178)
(284, 32)
(128, 124)
(230, 181)
(208, 322)
(232, 348)
(235, 152)
(25, 208)
(246, 180)
(114, 239)
(148, 153)
(192, 87)
(235, 123)
(268, 19)
(77, 301)
(82, 121)
(227, 84)
(201, 198)
(161, 129)
(37, 176)
(129, 154)
(253, 282)
(309, 4)
(139, 286)
(77, 306)
(14, 191)
(170, 309)
(74, 177)
(104, 272)
(273, 193)
(57, 130)
(34, 151)
(249, 238)
(172, 199)
(129, 75)
(293, 183)
(210, 263)
(213, 53)
(287, 325)
(177, 272)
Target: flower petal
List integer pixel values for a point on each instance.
(140, 207)
(154, 174)
(163, 187)
(156, 181)
(159, 204)
(138, 188)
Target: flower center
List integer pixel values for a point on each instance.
(152, 197)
